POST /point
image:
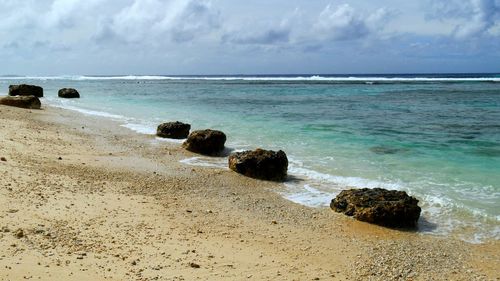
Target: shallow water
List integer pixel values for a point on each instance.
(437, 138)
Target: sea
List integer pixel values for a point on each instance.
(435, 136)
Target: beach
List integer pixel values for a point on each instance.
(83, 198)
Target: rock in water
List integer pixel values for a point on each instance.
(30, 102)
(173, 130)
(68, 93)
(207, 142)
(389, 208)
(25, 90)
(260, 164)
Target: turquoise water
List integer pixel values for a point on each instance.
(437, 138)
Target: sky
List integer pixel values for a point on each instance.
(176, 37)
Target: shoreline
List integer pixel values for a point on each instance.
(458, 229)
(230, 226)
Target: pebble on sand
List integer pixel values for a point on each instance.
(19, 233)
(194, 265)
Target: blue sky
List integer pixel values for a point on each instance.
(54, 37)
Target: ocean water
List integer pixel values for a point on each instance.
(435, 136)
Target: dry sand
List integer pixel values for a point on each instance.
(82, 198)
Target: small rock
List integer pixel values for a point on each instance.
(25, 90)
(207, 142)
(68, 93)
(389, 208)
(19, 233)
(194, 265)
(260, 164)
(3, 159)
(173, 130)
(29, 102)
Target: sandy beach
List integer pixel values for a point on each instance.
(82, 198)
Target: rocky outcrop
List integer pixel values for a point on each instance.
(25, 90)
(30, 102)
(207, 142)
(68, 93)
(260, 164)
(173, 130)
(389, 208)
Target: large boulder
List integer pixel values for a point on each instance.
(30, 102)
(389, 208)
(260, 164)
(68, 93)
(207, 142)
(173, 130)
(25, 90)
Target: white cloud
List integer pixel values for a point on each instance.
(345, 23)
(155, 19)
(333, 23)
(473, 18)
(341, 23)
(274, 32)
(69, 13)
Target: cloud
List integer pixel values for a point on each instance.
(179, 20)
(341, 23)
(180, 35)
(91, 22)
(267, 37)
(474, 18)
(333, 23)
(265, 33)
(197, 18)
(69, 13)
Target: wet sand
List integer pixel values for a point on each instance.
(82, 198)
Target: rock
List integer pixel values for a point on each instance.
(25, 90)
(260, 164)
(68, 93)
(3, 159)
(387, 150)
(208, 142)
(19, 234)
(30, 102)
(173, 130)
(194, 265)
(389, 208)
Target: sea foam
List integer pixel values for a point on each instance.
(361, 79)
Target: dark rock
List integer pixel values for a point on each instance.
(208, 142)
(25, 90)
(194, 265)
(260, 164)
(30, 102)
(19, 233)
(390, 208)
(68, 93)
(3, 159)
(173, 130)
(387, 150)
